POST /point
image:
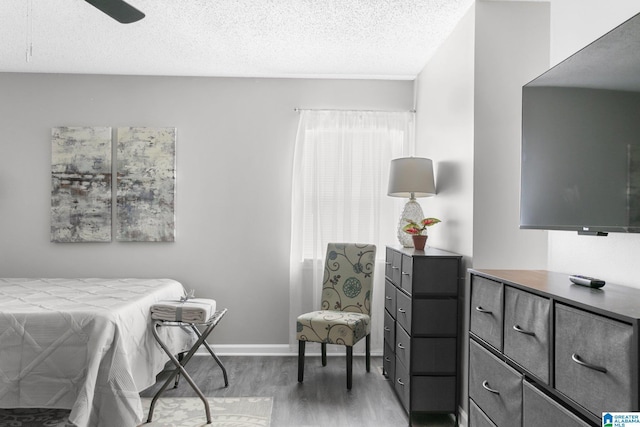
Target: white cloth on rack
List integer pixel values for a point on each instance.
(192, 310)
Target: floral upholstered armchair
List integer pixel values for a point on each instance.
(344, 317)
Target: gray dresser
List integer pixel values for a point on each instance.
(543, 351)
(421, 328)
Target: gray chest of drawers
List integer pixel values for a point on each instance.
(544, 351)
(421, 328)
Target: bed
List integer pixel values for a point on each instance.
(84, 345)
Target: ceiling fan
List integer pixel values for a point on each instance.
(119, 10)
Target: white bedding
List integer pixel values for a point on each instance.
(84, 345)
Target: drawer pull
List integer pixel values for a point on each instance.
(387, 359)
(482, 310)
(387, 263)
(485, 385)
(402, 310)
(400, 346)
(400, 382)
(406, 274)
(522, 331)
(577, 359)
(386, 329)
(388, 298)
(395, 268)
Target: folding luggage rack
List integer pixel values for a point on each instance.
(181, 361)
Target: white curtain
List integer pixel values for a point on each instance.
(340, 178)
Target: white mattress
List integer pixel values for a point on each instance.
(84, 345)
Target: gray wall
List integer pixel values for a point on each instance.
(444, 133)
(469, 98)
(235, 140)
(512, 47)
(468, 118)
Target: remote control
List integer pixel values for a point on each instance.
(586, 281)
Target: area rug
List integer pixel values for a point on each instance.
(169, 412)
(225, 412)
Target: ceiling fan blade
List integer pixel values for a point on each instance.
(119, 10)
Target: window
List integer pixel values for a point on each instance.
(341, 171)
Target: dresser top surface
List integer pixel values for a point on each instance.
(428, 252)
(611, 298)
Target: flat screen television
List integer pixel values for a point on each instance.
(581, 139)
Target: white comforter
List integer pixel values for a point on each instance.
(84, 345)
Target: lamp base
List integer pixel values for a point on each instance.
(413, 211)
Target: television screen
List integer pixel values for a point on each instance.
(581, 139)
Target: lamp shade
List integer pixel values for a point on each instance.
(411, 177)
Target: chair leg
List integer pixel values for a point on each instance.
(301, 360)
(368, 352)
(323, 347)
(349, 366)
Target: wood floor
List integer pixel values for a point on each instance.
(321, 400)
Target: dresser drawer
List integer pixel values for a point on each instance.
(390, 297)
(434, 317)
(428, 276)
(434, 355)
(526, 331)
(593, 361)
(389, 362)
(486, 310)
(392, 266)
(435, 276)
(403, 348)
(406, 281)
(427, 316)
(403, 310)
(388, 263)
(433, 393)
(389, 330)
(403, 385)
(495, 387)
(539, 410)
(477, 418)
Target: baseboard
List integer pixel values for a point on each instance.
(249, 350)
(272, 350)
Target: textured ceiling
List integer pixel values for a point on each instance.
(386, 39)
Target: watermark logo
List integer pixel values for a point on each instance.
(621, 419)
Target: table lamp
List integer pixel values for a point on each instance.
(410, 177)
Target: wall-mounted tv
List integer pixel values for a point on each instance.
(581, 139)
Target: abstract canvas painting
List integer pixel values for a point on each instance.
(146, 175)
(81, 184)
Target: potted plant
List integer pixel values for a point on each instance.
(418, 231)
